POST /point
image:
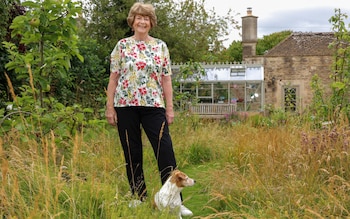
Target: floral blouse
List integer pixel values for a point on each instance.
(141, 66)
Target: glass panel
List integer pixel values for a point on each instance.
(237, 95)
(189, 88)
(205, 93)
(221, 92)
(253, 96)
(290, 99)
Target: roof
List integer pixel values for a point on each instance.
(225, 72)
(304, 44)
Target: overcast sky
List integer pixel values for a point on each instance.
(277, 15)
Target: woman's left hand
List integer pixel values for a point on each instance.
(169, 113)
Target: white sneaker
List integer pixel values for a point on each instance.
(185, 211)
(134, 203)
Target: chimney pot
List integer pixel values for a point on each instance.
(249, 11)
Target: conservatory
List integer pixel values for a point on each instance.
(226, 88)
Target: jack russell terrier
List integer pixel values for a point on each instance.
(169, 194)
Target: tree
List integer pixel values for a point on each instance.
(106, 23)
(270, 41)
(10, 9)
(48, 30)
(190, 31)
(339, 100)
(87, 80)
(234, 52)
(334, 106)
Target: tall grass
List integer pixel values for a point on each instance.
(242, 171)
(289, 171)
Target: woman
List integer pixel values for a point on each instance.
(139, 93)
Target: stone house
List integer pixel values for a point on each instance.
(290, 66)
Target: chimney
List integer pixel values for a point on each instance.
(249, 34)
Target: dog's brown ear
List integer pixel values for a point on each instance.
(175, 172)
(179, 178)
(181, 175)
(173, 177)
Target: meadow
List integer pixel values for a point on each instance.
(255, 168)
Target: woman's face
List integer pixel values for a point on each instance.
(142, 24)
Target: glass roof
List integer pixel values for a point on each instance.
(231, 73)
(234, 74)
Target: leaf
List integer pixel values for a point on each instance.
(80, 57)
(18, 22)
(44, 84)
(88, 110)
(59, 106)
(11, 65)
(30, 4)
(79, 116)
(338, 85)
(28, 58)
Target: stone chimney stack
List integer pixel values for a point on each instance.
(249, 34)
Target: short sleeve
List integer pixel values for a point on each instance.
(166, 63)
(115, 59)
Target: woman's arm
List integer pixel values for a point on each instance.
(111, 115)
(168, 96)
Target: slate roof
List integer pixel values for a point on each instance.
(303, 44)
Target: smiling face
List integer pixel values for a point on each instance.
(142, 24)
(142, 10)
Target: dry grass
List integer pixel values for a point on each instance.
(283, 172)
(289, 171)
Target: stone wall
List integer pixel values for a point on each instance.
(294, 71)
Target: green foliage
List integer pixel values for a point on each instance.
(235, 118)
(234, 52)
(319, 107)
(189, 71)
(86, 82)
(341, 67)
(274, 118)
(106, 23)
(3, 83)
(10, 9)
(199, 154)
(4, 17)
(198, 31)
(30, 118)
(270, 41)
(260, 121)
(334, 106)
(48, 30)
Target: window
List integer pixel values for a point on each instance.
(290, 99)
(205, 93)
(221, 92)
(237, 71)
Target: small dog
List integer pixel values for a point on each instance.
(169, 195)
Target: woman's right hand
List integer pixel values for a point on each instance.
(111, 116)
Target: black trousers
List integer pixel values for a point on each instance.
(153, 122)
